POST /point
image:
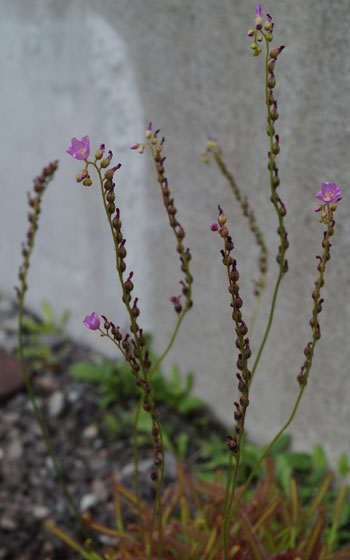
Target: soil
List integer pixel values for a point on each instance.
(29, 492)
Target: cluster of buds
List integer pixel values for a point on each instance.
(40, 184)
(329, 195)
(261, 29)
(156, 147)
(265, 30)
(272, 116)
(212, 147)
(242, 342)
(132, 350)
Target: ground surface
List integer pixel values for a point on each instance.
(29, 492)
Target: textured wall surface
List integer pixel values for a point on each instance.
(71, 68)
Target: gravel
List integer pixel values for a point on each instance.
(29, 492)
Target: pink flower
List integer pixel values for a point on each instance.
(92, 321)
(330, 192)
(80, 149)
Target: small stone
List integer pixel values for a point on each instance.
(90, 431)
(14, 450)
(56, 404)
(11, 377)
(8, 524)
(88, 501)
(97, 444)
(100, 490)
(40, 512)
(50, 466)
(73, 395)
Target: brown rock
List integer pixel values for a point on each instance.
(11, 377)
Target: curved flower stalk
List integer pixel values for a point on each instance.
(133, 345)
(34, 200)
(156, 149)
(264, 30)
(330, 195)
(244, 375)
(259, 285)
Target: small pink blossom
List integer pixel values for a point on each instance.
(92, 321)
(80, 149)
(330, 192)
(214, 226)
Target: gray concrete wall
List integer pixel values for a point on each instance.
(106, 69)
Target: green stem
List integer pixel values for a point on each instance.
(171, 342)
(265, 453)
(26, 377)
(136, 459)
(280, 219)
(269, 323)
(320, 282)
(40, 421)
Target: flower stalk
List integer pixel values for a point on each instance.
(327, 217)
(265, 31)
(244, 375)
(40, 184)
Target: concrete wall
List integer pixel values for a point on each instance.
(106, 69)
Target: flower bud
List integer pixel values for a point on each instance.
(87, 182)
(100, 152)
(81, 175)
(154, 475)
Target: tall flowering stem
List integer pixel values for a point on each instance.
(156, 147)
(133, 344)
(264, 30)
(259, 285)
(327, 216)
(244, 375)
(34, 200)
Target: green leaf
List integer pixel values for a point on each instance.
(47, 311)
(181, 445)
(189, 381)
(88, 372)
(282, 444)
(298, 461)
(343, 464)
(189, 404)
(319, 459)
(64, 318)
(284, 472)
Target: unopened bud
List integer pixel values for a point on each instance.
(87, 182)
(81, 175)
(100, 151)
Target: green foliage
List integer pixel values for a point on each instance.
(37, 349)
(269, 525)
(116, 386)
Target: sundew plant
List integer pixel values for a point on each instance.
(201, 520)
